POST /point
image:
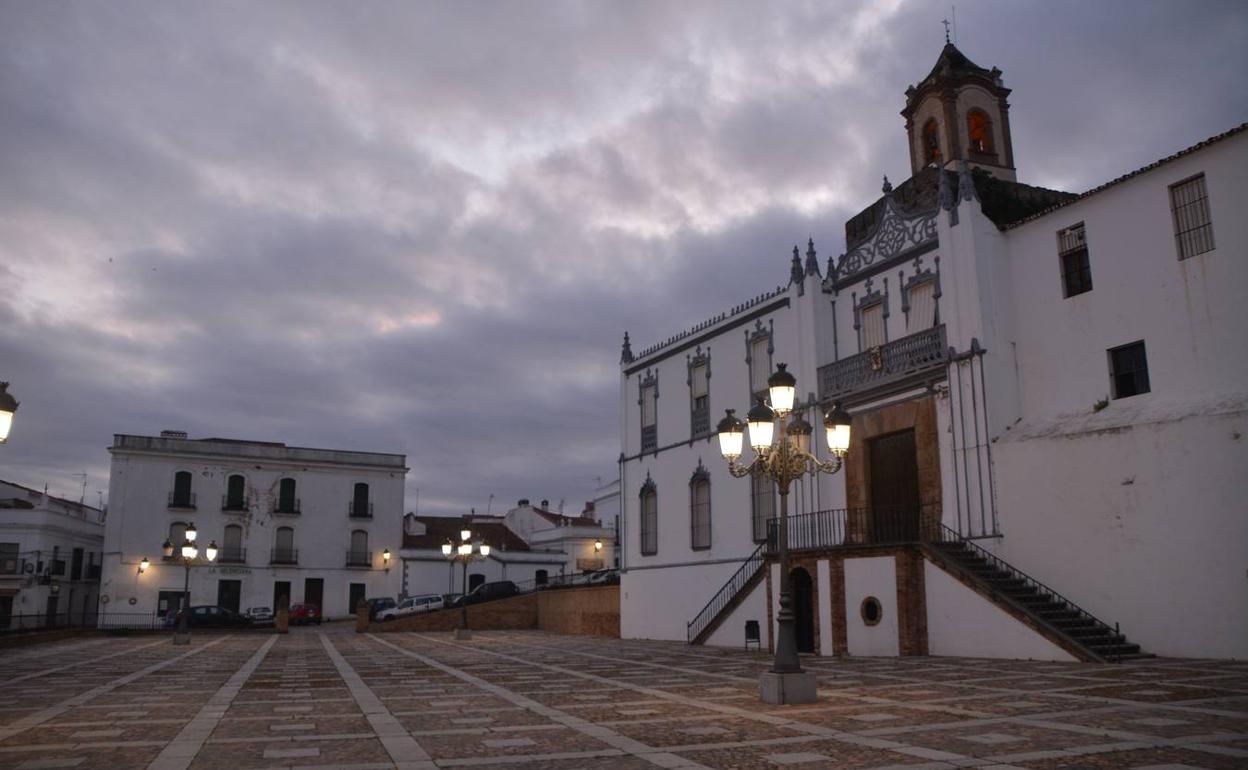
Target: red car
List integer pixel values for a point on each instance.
(303, 614)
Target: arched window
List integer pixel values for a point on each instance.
(360, 506)
(359, 556)
(700, 508)
(979, 132)
(286, 501)
(235, 493)
(284, 546)
(649, 518)
(232, 545)
(177, 533)
(931, 142)
(181, 496)
(763, 500)
(540, 577)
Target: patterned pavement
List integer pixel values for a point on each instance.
(513, 699)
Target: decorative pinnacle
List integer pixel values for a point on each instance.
(888, 186)
(626, 353)
(795, 270)
(812, 262)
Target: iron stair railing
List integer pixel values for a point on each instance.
(746, 572)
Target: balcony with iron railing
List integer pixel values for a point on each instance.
(233, 504)
(288, 506)
(894, 363)
(233, 555)
(184, 501)
(649, 438)
(359, 558)
(701, 421)
(357, 511)
(284, 556)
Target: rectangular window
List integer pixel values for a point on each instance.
(700, 393)
(760, 364)
(1128, 370)
(763, 500)
(700, 516)
(649, 524)
(873, 333)
(10, 562)
(922, 299)
(75, 565)
(1072, 249)
(649, 413)
(1193, 227)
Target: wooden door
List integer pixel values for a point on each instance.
(894, 488)
(803, 609)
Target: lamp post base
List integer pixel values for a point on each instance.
(463, 633)
(791, 688)
(181, 637)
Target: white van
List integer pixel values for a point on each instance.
(412, 605)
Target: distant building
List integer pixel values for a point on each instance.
(310, 525)
(1059, 380)
(50, 554)
(605, 508)
(530, 545)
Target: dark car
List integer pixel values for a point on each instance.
(377, 605)
(210, 616)
(303, 614)
(487, 592)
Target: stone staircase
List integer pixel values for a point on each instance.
(1053, 615)
(728, 597)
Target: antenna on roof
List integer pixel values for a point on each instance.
(955, 24)
(489, 507)
(82, 497)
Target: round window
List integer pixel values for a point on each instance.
(871, 610)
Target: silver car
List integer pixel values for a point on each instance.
(412, 605)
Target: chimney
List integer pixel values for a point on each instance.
(173, 434)
(523, 502)
(545, 505)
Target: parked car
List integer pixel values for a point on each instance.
(375, 606)
(260, 616)
(413, 605)
(604, 577)
(210, 616)
(303, 614)
(487, 592)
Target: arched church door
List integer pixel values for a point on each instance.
(803, 609)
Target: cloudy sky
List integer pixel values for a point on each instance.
(423, 227)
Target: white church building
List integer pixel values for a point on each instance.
(1049, 400)
(292, 524)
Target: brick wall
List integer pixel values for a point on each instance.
(588, 611)
(911, 603)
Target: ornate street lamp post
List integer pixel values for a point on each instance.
(783, 460)
(467, 551)
(8, 405)
(188, 554)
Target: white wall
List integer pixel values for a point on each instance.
(658, 603)
(872, 576)
(731, 632)
(962, 623)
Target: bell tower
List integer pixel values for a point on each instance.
(959, 112)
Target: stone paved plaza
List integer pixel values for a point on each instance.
(332, 698)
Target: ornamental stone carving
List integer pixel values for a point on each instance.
(896, 234)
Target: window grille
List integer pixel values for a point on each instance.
(1193, 227)
(1072, 249)
(700, 513)
(649, 415)
(760, 364)
(1128, 370)
(922, 300)
(649, 521)
(763, 500)
(700, 393)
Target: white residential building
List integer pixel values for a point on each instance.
(49, 559)
(1049, 395)
(311, 525)
(530, 545)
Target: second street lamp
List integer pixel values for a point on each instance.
(188, 554)
(467, 551)
(8, 405)
(783, 456)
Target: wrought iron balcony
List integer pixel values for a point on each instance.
(360, 511)
(238, 504)
(288, 507)
(229, 555)
(359, 558)
(892, 363)
(284, 556)
(185, 501)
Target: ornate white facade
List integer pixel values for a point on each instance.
(1055, 381)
